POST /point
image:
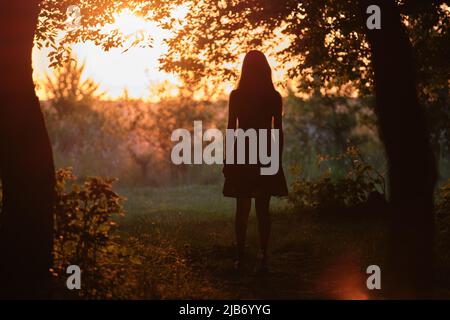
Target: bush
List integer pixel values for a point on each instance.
(360, 184)
(85, 220)
(443, 200)
(114, 264)
(442, 208)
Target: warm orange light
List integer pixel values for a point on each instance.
(343, 279)
(136, 69)
(131, 68)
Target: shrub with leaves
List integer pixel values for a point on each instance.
(114, 263)
(360, 184)
(442, 207)
(85, 220)
(443, 200)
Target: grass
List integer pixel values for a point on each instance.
(310, 258)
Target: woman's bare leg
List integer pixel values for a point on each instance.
(243, 206)
(264, 225)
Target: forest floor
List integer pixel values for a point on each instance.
(310, 257)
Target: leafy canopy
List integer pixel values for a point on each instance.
(321, 42)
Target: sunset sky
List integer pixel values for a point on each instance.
(116, 70)
(136, 69)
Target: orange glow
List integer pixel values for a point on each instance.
(344, 280)
(136, 69)
(131, 68)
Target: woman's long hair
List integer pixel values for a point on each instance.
(256, 75)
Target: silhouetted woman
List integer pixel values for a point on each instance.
(255, 104)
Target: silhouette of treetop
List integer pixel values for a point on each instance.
(325, 39)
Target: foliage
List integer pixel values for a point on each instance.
(85, 220)
(360, 183)
(174, 113)
(326, 124)
(443, 200)
(144, 129)
(128, 138)
(114, 264)
(438, 116)
(180, 249)
(72, 119)
(327, 44)
(68, 91)
(52, 31)
(442, 207)
(322, 44)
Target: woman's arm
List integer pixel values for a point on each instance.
(278, 121)
(232, 123)
(232, 117)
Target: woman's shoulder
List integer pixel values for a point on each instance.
(278, 96)
(235, 93)
(275, 97)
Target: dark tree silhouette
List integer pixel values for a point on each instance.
(412, 168)
(26, 160)
(26, 163)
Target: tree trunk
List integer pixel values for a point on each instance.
(412, 168)
(26, 163)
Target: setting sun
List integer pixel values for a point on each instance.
(131, 68)
(134, 66)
